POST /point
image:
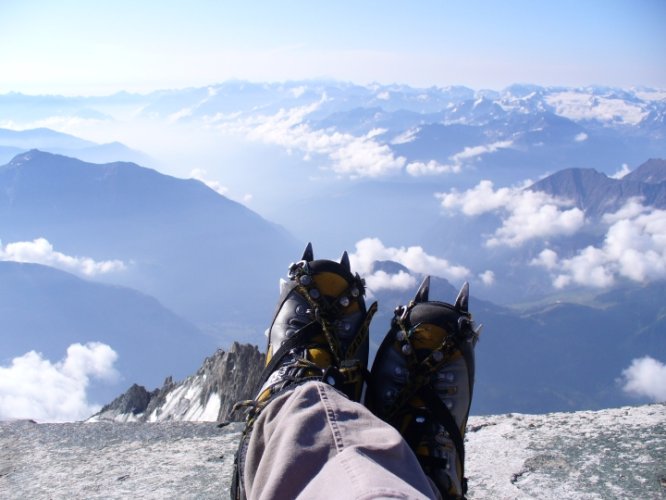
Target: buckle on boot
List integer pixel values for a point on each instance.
(348, 378)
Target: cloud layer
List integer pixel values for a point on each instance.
(40, 251)
(645, 377)
(370, 250)
(201, 175)
(525, 214)
(634, 248)
(34, 387)
(349, 155)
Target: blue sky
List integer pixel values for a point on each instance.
(83, 47)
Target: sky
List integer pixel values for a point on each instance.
(79, 47)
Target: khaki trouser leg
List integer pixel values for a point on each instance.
(313, 442)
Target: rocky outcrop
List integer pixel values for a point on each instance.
(129, 405)
(209, 395)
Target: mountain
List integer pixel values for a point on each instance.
(14, 142)
(41, 138)
(204, 256)
(652, 171)
(543, 128)
(47, 310)
(553, 357)
(209, 395)
(615, 453)
(596, 194)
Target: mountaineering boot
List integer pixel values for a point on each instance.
(319, 332)
(422, 380)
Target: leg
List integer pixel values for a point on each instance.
(313, 442)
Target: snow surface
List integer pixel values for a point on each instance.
(577, 106)
(616, 453)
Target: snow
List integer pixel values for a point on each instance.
(212, 408)
(651, 94)
(616, 453)
(578, 105)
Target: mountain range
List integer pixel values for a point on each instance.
(47, 310)
(197, 252)
(14, 142)
(541, 197)
(204, 257)
(598, 194)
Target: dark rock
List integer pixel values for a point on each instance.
(134, 401)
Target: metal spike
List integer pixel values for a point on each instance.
(344, 260)
(462, 301)
(423, 291)
(308, 255)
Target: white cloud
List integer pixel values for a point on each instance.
(632, 209)
(481, 199)
(33, 387)
(581, 137)
(582, 105)
(646, 377)
(350, 155)
(298, 91)
(525, 214)
(473, 151)
(634, 248)
(381, 280)
(200, 175)
(487, 278)
(456, 162)
(40, 251)
(432, 167)
(547, 258)
(622, 172)
(406, 137)
(370, 250)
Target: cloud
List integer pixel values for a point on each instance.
(200, 175)
(432, 167)
(406, 137)
(622, 172)
(634, 248)
(40, 251)
(487, 278)
(298, 91)
(581, 105)
(645, 377)
(370, 250)
(189, 110)
(349, 155)
(478, 200)
(381, 280)
(456, 162)
(472, 152)
(33, 387)
(525, 214)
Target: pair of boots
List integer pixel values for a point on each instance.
(422, 377)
